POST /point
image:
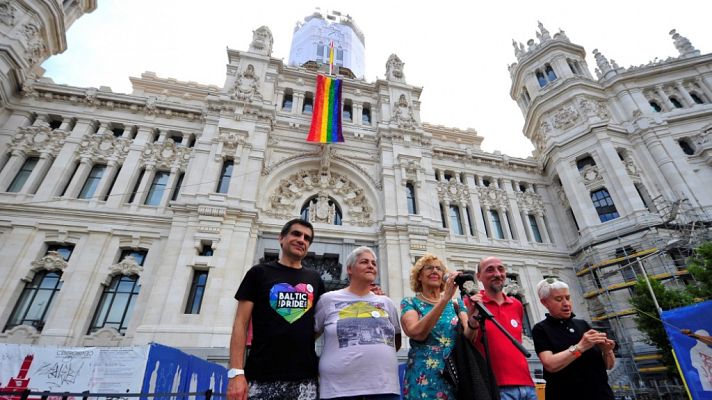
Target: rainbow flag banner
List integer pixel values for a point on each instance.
(326, 116)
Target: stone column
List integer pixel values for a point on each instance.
(465, 219)
(105, 182)
(80, 176)
(512, 199)
(297, 102)
(705, 87)
(38, 173)
(542, 227)
(130, 169)
(685, 95)
(578, 195)
(528, 226)
(280, 99)
(144, 186)
(357, 113)
(488, 222)
(446, 215)
(618, 181)
(504, 221)
(664, 97)
(11, 169)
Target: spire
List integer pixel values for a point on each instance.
(604, 67)
(683, 45)
(543, 34)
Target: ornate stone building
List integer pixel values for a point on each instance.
(131, 218)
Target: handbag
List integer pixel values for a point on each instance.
(468, 372)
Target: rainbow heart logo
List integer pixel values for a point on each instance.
(291, 302)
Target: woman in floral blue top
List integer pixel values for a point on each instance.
(430, 321)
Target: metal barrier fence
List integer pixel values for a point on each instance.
(86, 395)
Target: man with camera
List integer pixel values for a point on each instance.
(509, 365)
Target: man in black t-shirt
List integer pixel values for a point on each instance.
(280, 298)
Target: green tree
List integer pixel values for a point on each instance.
(648, 319)
(700, 267)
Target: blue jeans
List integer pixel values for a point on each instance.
(517, 393)
(387, 396)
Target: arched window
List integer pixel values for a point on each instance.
(697, 99)
(366, 114)
(410, 198)
(654, 104)
(675, 102)
(322, 209)
(686, 146)
(604, 205)
(288, 100)
(540, 78)
(550, 74)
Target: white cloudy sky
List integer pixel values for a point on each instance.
(457, 50)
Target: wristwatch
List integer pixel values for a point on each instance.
(573, 349)
(233, 372)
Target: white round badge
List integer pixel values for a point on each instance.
(514, 323)
(375, 314)
(310, 288)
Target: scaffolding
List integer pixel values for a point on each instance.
(607, 272)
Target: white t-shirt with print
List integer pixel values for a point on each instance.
(359, 355)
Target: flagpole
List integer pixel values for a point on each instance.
(331, 58)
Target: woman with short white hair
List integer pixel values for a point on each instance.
(575, 357)
(361, 336)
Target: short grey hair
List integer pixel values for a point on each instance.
(351, 259)
(543, 288)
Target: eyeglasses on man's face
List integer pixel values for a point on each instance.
(430, 268)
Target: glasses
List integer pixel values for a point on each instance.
(429, 268)
(551, 280)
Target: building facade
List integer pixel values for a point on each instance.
(132, 218)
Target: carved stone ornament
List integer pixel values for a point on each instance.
(493, 198)
(591, 176)
(512, 288)
(565, 117)
(247, 85)
(104, 146)
(403, 116)
(7, 13)
(561, 194)
(530, 202)
(50, 262)
(283, 201)
(127, 267)
(39, 139)
(453, 191)
(394, 69)
(229, 140)
(167, 154)
(262, 41)
(36, 49)
(322, 209)
(630, 166)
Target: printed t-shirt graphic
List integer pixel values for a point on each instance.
(363, 322)
(291, 302)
